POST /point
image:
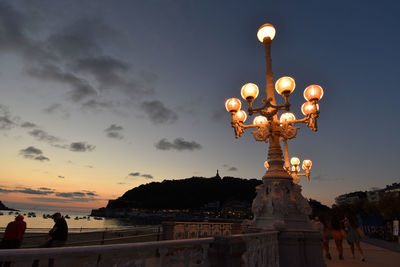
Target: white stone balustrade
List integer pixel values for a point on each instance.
(257, 249)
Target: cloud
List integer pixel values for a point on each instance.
(41, 135)
(114, 127)
(70, 194)
(33, 153)
(115, 135)
(29, 191)
(90, 193)
(81, 89)
(114, 131)
(28, 125)
(178, 144)
(158, 113)
(63, 200)
(41, 158)
(54, 196)
(45, 188)
(230, 168)
(56, 108)
(36, 192)
(81, 147)
(138, 174)
(6, 122)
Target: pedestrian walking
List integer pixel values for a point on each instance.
(338, 235)
(326, 236)
(353, 234)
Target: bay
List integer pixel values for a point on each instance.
(79, 221)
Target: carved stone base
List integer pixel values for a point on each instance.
(279, 205)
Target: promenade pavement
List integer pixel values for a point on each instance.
(374, 256)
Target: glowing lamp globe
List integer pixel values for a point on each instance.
(307, 164)
(287, 117)
(249, 91)
(266, 30)
(295, 161)
(295, 168)
(285, 85)
(260, 120)
(266, 164)
(309, 108)
(241, 116)
(233, 105)
(313, 92)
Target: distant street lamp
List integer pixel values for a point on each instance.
(279, 203)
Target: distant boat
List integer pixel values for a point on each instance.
(10, 213)
(76, 218)
(67, 217)
(98, 218)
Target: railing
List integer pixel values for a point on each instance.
(161, 253)
(256, 249)
(185, 230)
(129, 235)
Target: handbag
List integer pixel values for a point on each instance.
(360, 232)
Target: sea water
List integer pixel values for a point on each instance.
(79, 221)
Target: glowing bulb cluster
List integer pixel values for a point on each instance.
(285, 85)
(313, 92)
(249, 91)
(266, 30)
(233, 105)
(287, 117)
(259, 120)
(240, 116)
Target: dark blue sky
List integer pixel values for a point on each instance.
(127, 92)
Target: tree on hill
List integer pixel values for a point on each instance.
(190, 193)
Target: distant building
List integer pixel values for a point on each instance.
(393, 188)
(372, 196)
(350, 198)
(375, 195)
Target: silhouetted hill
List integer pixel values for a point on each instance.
(190, 193)
(3, 207)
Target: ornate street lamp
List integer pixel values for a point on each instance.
(279, 203)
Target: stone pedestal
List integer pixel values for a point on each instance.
(279, 205)
(300, 249)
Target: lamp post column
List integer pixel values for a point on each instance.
(269, 74)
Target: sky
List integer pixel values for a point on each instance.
(98, 97)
